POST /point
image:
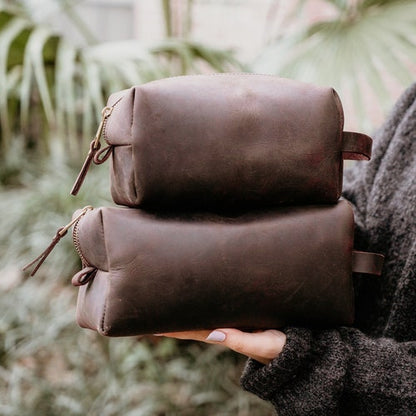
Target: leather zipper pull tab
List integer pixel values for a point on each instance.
(85, 167)
(94, 147)
(42, 257)
(84, 276)
(61, 232)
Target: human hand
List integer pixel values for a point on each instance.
(263, 346)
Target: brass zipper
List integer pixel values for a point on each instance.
(61, 232)
(77, 245)
(95, 154)
(100, 156)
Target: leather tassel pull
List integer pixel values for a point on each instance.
(61, 232)
(85, 167)
(94, 148)
(42, 257)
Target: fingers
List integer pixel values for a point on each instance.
(262, 346)
(189, 335)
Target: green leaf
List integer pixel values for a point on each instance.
(70, 85)
(66, 109)
(9, 32)
(34, 74)
(364, 48)
(34, 53)
(92, 75)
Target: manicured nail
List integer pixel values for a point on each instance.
(216, 336)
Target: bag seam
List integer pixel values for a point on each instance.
(340, 110)
(104, 313)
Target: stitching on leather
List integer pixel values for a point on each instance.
(103, 237)
(102, 323)
(351, 242)
(106, 121)
(132, 148)
(339, 107)
(104, 315)
(133, 94)
(134, 176)
(131, 140)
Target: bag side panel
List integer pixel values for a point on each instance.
(340, 110)
(232, 139)
(290, 266)
(124, 190)
(91, 240)
(91, 303)
(118, 132)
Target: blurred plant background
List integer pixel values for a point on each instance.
(59, 61)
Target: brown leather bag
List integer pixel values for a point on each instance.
(225, 140)
(150, 273)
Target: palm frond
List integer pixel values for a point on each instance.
(194, 56)
(65, 87)
(34, 58)
(8, 34)
(65, 99)
(359, 52)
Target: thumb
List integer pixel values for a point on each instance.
(262, 346)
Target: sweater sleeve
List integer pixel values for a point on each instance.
(360, 180)
(352, 371)
(337, 372)
(343, 371)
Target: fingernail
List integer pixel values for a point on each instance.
(216, 336)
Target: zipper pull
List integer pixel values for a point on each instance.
(61, 232)
(94, 147)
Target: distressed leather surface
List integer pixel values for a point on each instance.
(159, 273)
(224, 140)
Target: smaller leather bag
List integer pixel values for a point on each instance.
(225, 140)
(148, 273)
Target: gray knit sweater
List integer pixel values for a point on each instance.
(369, 369)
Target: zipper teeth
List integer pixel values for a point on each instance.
(77, 245)
(106, 119)
(104, 126)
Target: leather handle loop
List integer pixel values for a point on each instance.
(102, 155)
(369, 263)
(84, 276)
(356, 146)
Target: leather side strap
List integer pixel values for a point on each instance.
(356, 146)
(369, 263)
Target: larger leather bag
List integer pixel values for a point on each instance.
(225, 139)
(148, 273)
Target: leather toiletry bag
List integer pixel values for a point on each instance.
(146, 273)
(225, 139)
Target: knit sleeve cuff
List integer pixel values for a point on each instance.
(265, 380)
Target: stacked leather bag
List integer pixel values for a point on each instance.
(232, 217)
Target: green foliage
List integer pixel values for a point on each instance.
(49, 366)
(52, 95)
(38, 206)
(53, 85)
(367, 46)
